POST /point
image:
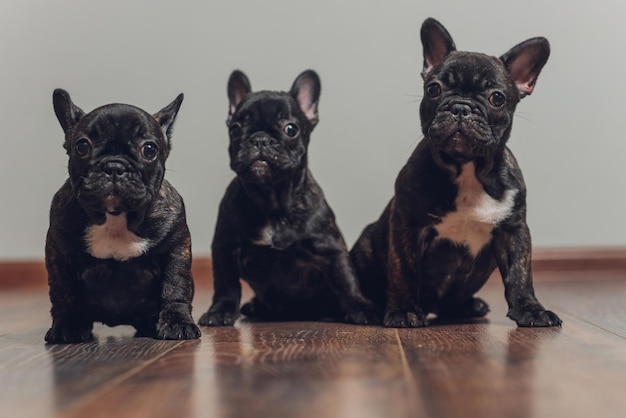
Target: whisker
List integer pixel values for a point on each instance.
(522, 117)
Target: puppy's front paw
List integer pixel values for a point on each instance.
(476, 308)
(65, 334)
(473, 308)
(177, 331)
(536, 317)
(218, 318)
(258, 311)
(404, 319)
(364, 314)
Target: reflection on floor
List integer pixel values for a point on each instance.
(486, 368)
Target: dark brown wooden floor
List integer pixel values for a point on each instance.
(483, 369)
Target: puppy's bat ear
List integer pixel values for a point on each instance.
(166, 117)
(524, 62)
(437, 44)
(67, 112)
(238, 87)
(306, 90)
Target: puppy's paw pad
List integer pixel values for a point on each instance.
(404, 319)
(68, 335)
(218, 319)
(177, 331)
(536, 318)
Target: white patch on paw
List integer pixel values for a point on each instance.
(112, 239)
(477, 213)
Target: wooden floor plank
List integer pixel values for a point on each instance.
(282, 370)
(494, 369)
(487, 368)
(600, 303)
(42, 380)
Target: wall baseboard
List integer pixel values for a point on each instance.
(32, 274)
(579, 259)
(23, 274)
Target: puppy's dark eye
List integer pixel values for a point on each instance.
(497, 99)
(82, 147)
(149, 151)
(433, 90)
(291, 129)
(234, 131)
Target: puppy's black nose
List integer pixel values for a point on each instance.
(261, 141)
(460, 109)
(114, 168)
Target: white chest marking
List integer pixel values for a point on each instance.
(477, 213)
(112, 239)
(265, 236)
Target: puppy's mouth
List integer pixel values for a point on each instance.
(461, 137)
(459, 144)
(112, 204)
(259, 167)
(259, 171)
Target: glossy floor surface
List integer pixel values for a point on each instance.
(488, 368)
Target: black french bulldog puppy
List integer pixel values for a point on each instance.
(274, 229)
(118, 249)
(459, 209)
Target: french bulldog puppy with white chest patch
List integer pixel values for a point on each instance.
(275, 229)
(459, 208)
(118, 250)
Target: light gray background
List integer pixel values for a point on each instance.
(568, 136)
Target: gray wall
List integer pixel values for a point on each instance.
(568, 136)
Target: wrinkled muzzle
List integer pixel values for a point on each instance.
(263, 159)
(113, 186)
(461, 132)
